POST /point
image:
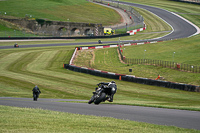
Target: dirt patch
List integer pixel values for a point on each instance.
(120, 57)
(87, 55)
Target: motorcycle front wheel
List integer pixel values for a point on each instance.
(91, 100)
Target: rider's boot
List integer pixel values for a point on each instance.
(110, 98)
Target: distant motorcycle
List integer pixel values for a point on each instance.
(36, 93)
(35, 96)
(16, 45)
(100, 95)
(99, 41)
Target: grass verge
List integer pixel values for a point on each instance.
(24, 120)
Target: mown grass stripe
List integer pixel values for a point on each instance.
(31, 64)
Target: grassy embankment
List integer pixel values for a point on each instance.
(63, 10)
(22, 68)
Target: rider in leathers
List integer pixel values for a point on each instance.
(36, 91)
(112, 87)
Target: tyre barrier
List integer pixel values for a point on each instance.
(129, 78)
(91, 71)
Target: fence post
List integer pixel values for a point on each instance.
(170, 64)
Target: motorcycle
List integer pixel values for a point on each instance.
(16, 45)
(99, 95)
(35, 96)
(99, 41)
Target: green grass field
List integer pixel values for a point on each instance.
(60, 10)
(21, 69)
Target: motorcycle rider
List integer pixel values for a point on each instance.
(36, 91)
(110, 86)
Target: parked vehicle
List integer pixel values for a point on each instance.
(108, 31)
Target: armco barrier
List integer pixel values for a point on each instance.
(129, 78)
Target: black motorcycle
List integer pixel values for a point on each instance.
(99, 41)
(100, 95)
(16, 45)
(35, 96)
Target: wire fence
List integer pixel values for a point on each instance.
(167, 64)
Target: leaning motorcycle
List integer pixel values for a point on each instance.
(99, 95)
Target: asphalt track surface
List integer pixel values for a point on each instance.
(169, 117)
(181, 28)
(159, 116)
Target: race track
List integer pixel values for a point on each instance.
(159, 116)
(181, 28)
(179, 118)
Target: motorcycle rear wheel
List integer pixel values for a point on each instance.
(100, 99)
(34, 97)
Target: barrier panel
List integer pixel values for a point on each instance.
(129, 78)
(91, 71)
